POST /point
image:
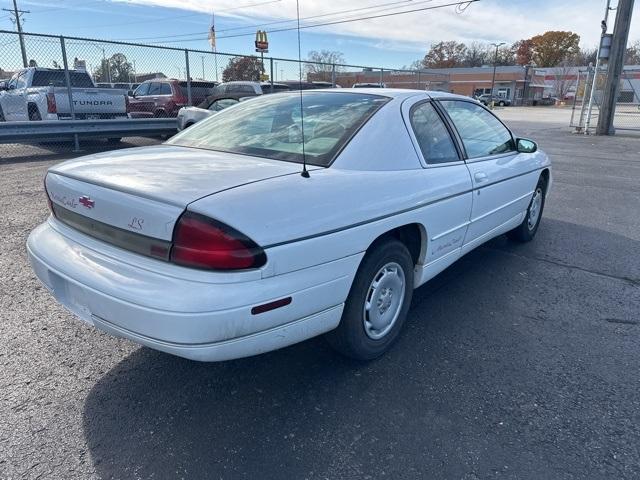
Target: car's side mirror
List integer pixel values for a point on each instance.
(526, 146)
(130, 93)
(11, 87)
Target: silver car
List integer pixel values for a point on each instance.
(187, 116)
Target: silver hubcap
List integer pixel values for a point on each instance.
(534, 209)
(384, 301)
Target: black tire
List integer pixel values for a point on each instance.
(350, 337)
(501, 104)
(527, 230)
(34, 114)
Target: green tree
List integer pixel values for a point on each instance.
(445, 55)
(114, 69)
(552, 48)
(243, 68)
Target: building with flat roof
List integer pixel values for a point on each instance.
(518, 84)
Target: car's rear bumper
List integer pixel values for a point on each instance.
(188, 313)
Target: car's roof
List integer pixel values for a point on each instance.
(393, 92)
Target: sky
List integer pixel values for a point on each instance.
(392, 41)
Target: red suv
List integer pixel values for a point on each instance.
(163, 97)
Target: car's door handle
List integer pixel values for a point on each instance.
(481, 177)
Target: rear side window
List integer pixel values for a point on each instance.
(154, 88)
(198, 89)
(482, 134)
(165, 89)
(432, 135)
(222, 104)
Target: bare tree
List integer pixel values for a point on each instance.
(565, 79)
(325, 61)
(476, 55)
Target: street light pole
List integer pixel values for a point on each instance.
(495, 64)
(202, 57)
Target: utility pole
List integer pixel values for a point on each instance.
(594, 82)
(495, 64)
(16, 19)
(614, 70)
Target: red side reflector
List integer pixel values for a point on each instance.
(270, 306)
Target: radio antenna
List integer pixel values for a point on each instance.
(305, 172)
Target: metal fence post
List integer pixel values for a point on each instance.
(186, 59)
(333, 75)
(271, 72)
(381, 76)
(67, 79)
(418, 79)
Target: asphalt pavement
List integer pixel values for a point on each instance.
(518, 362)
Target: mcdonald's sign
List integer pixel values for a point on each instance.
(262, 44)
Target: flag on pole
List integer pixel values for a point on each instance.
(212, 33)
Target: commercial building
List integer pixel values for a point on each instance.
(518, 84)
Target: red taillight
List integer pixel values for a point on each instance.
(202, 242)
(51, 103)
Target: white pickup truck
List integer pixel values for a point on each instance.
(41, 94)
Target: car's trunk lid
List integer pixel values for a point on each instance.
(144, 191)
(172, 174)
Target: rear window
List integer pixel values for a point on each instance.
(270, 126)
(56, 78)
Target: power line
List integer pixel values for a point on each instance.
(335, 22)
(174, 16)
(67, 8)
(260, 25)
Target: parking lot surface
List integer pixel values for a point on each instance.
(518, 362)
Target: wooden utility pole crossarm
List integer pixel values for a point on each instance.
(614, 70)
(16, 13)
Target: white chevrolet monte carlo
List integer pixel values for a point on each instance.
(217, 245)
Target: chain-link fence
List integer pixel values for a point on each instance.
(107, 91)
(590, 93)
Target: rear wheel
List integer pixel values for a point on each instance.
(34, 114)
(378, 302)
(529, 226)
(501, 103)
